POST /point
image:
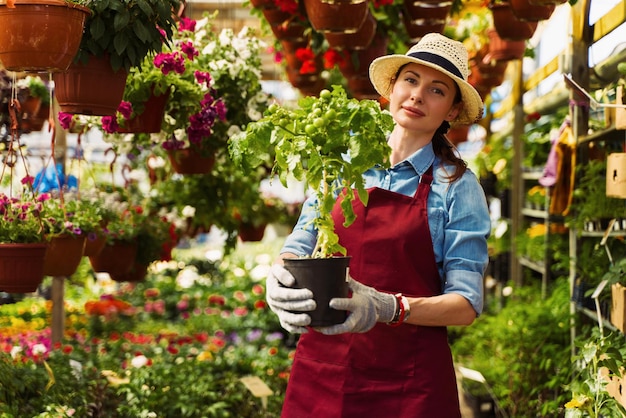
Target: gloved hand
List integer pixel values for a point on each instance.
(282, 298)
(367, 306)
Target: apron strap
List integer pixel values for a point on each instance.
(423, 187)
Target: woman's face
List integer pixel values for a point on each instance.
(422, 98)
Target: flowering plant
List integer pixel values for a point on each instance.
(213, 80)
(21, 220)
(68, 213)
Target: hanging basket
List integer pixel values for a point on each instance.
(115, 259)
(338, 16)
(358, 40)
(63, 255)
(508, 26)
(40, 35)
(503, 49)
(525, 10)
(251, 233)
(150, 120)
(137, 273)
(21, 267)
(421, 18)
(190, 161)
(94, 244)
(90, 89)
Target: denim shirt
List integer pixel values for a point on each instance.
(458, 217)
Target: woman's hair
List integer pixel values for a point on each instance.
(442, 147)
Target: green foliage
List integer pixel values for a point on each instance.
(523, 350)
(327, 142)
(590, 202)
(126, 30)
(599, 358)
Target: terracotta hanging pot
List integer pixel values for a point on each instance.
(251, 233)
(150, 120)
(40, 35)
(35, 122)
(509, 26)
(546, 2)
(359, 61)
(191, 161)
(526, 11)
(137, 273)
(21, 267)
(358, 40)
(503, 49)
(63, 255)
(362, 88)
(421, 18)
(116, 258)
(337, 16)
(94, 244)
(90, 89)
(284, 26)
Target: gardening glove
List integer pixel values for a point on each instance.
(286, 301)
(367, 306)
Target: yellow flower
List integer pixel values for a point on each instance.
(537, 230)
(577, 402)
(205, 356)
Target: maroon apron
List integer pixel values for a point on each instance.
(400, 372)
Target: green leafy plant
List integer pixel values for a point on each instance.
(600, 358)
(327, 142)
(590, 202)
(522, 349)
(126, 30)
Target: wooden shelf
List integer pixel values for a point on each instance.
(539, 268)
(608, 134)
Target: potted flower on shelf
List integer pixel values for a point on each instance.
(326, 142)
(118, 36)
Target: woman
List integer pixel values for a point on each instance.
(419, 251)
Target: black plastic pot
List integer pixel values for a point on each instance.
(327, 279)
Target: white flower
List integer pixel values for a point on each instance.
(139, 361)
(187, 277)
(39, 349)
(15, 351)
(188, 211)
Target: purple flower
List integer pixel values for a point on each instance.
(126, 109)
(109, 124)
(187, 24)
(65, 119)
(189, 50)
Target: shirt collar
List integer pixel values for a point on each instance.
(421, 159)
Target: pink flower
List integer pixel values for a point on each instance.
(109, 124)
(189, 50)
(65, 119)
(126, 109)
(187, 24)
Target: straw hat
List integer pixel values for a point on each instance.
(441, 53)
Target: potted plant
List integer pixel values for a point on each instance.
(124, 217)
(22, 242)
(40, 94)
(70, 221)
(31, 32)
(327, 142)
(118, 35)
